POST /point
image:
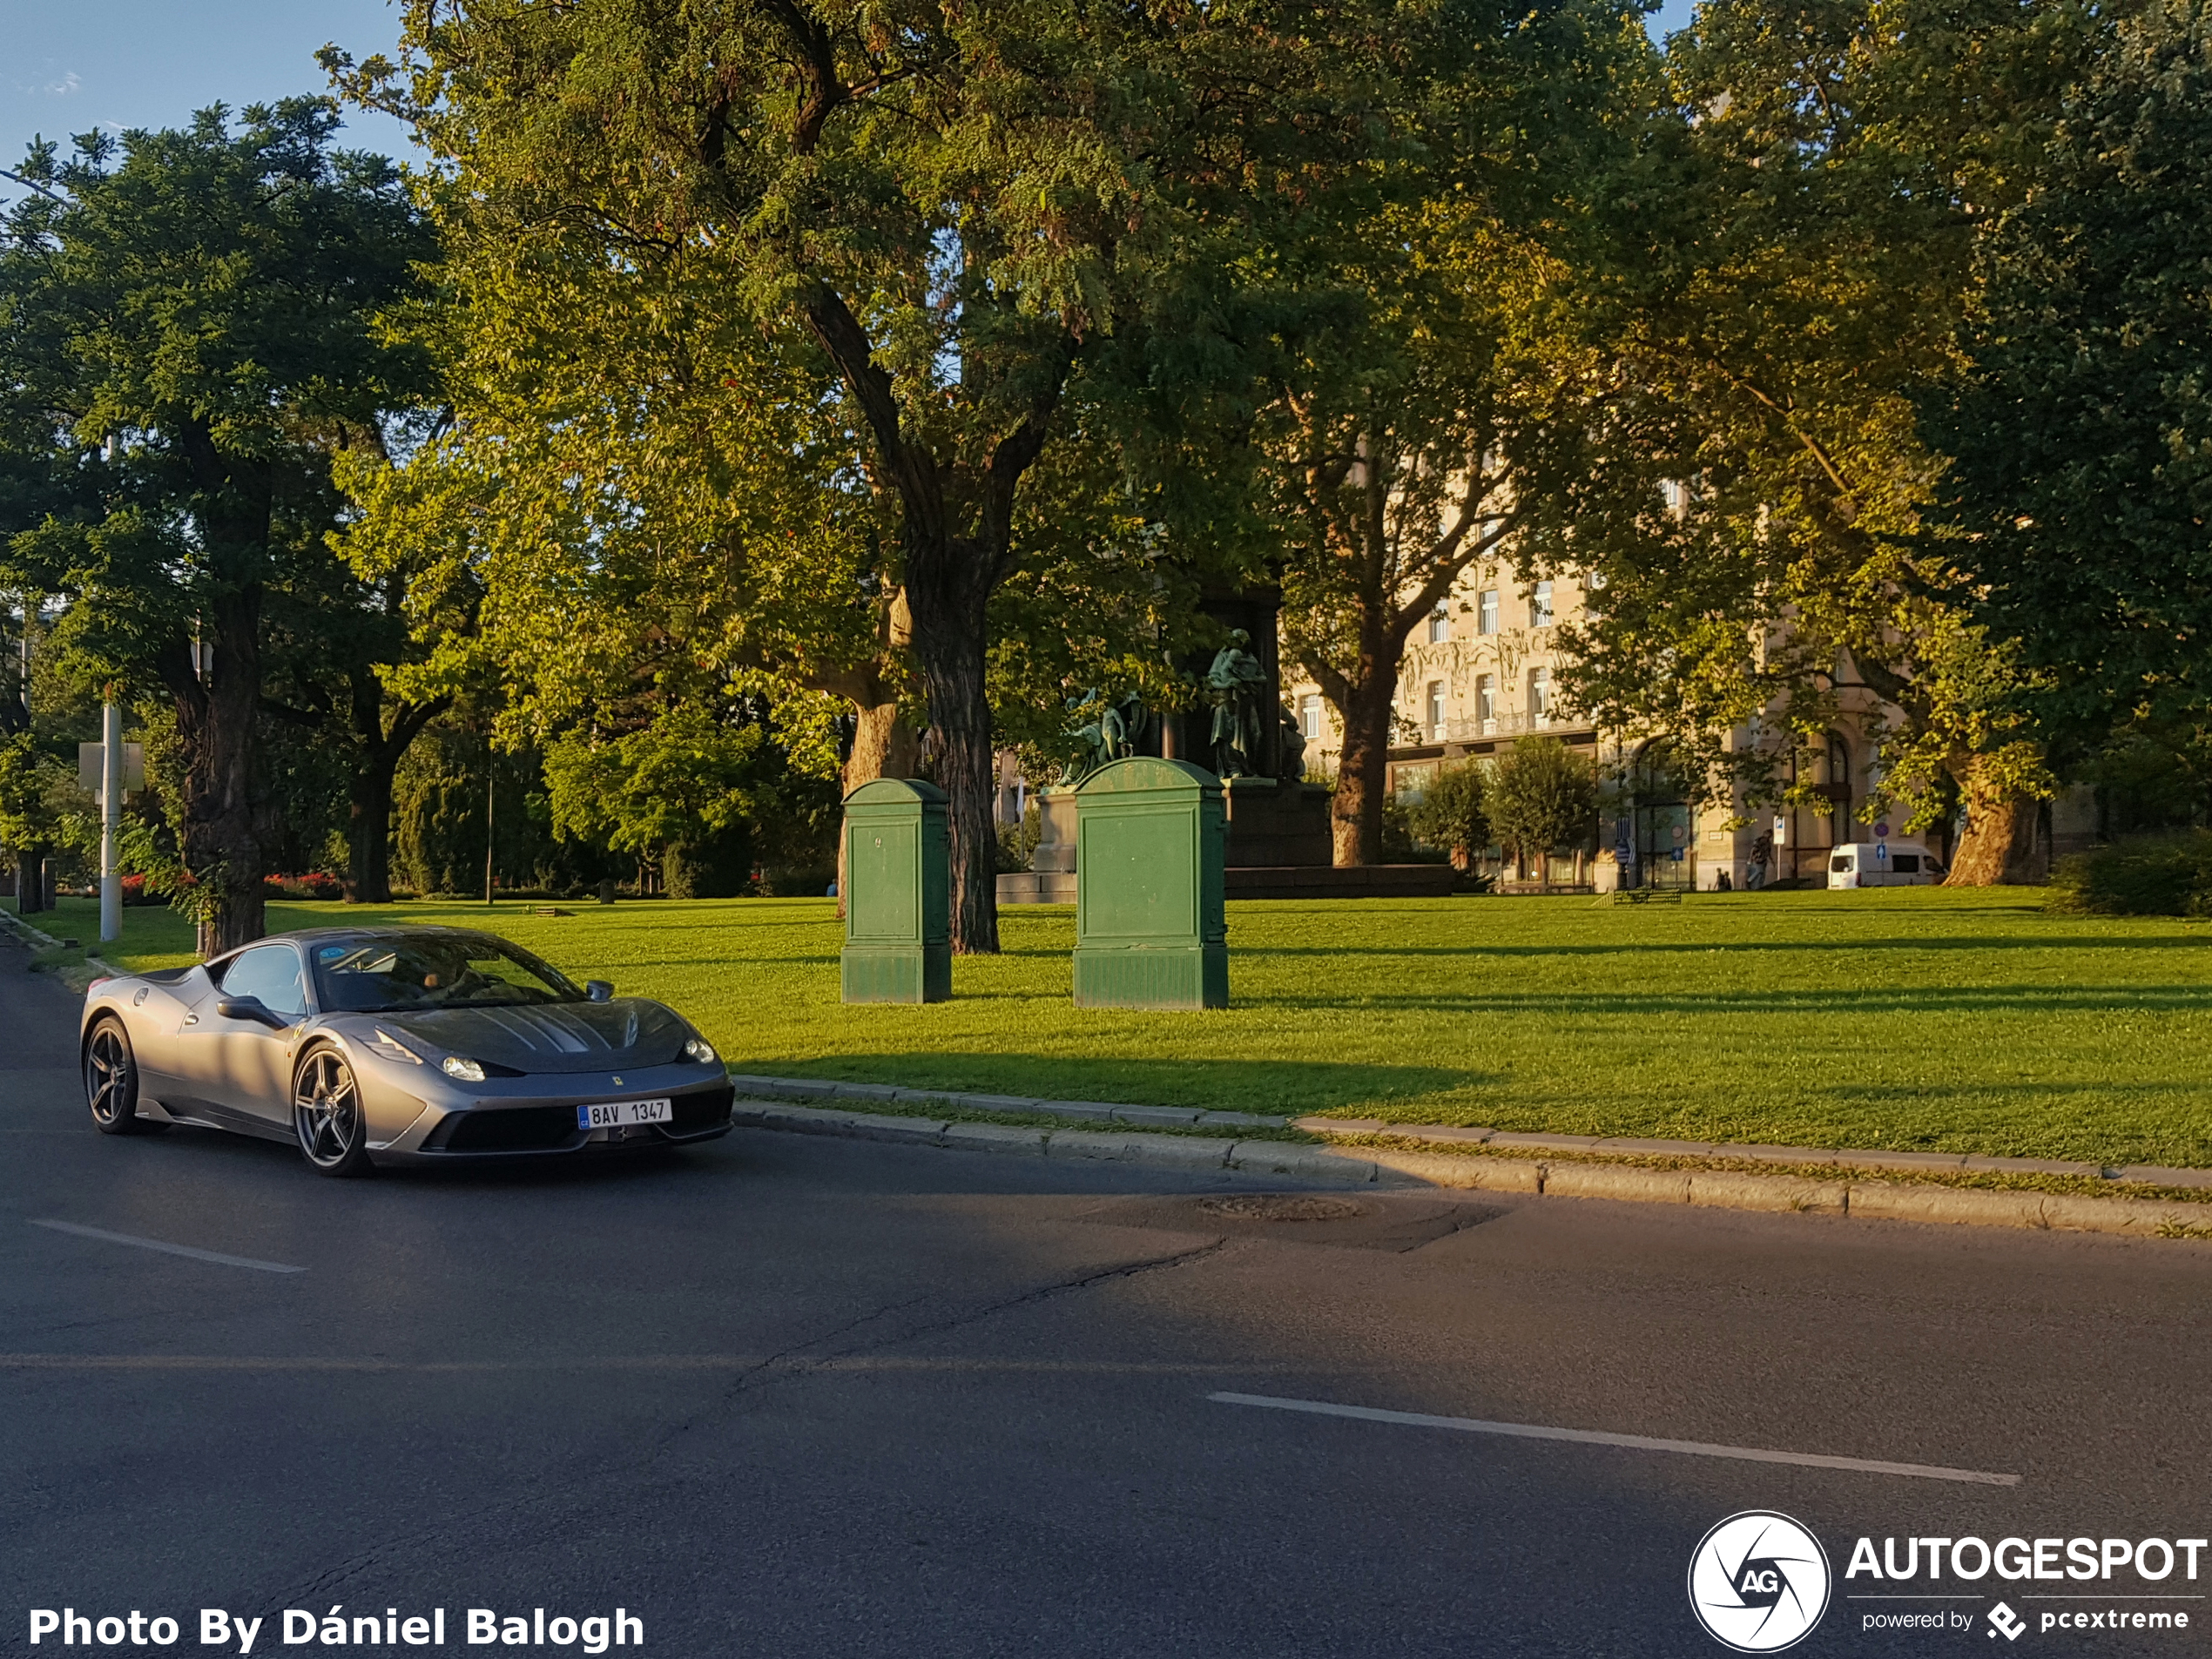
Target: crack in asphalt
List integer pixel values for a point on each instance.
(789, 1364)
(777, 1367)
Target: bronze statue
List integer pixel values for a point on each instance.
(1111, 732)
(1235, 686)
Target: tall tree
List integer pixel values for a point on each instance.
(1411, 441)
(1790, 256)
(962, 205)
(194, 313)
(2082, 431)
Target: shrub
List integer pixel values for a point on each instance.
(1449, 814)
(2143, 875)
(1018, 842)
(1540, 794)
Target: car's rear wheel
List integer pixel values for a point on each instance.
(327, 1115)
(111, 1081)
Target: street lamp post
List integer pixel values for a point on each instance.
(111, 821)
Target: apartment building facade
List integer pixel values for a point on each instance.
(1484, 669)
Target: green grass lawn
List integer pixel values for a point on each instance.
(1900, 1018)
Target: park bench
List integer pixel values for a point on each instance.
(1648, 896)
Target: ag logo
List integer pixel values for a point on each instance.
(1758, 1582)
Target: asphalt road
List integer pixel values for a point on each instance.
(789, 1396)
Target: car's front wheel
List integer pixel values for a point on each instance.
(111, 1081)
(327, 1115)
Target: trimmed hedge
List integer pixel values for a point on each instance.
(2143, 875)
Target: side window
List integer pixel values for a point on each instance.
(271, 972)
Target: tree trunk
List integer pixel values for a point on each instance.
(217, 730)
(956, 534)
(951, 649)
(1355, 811)
(31, 880)
(883, 747)
(2002, 845)
(219, 719)
(368, 831)
(369, 827)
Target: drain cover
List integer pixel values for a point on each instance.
(1281, 1206)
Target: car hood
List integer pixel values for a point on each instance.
(556, 1037)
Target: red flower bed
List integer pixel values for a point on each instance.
(316, 884)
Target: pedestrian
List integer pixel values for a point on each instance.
(1762, 855)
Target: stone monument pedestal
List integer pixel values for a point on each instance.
(1273, 822)
(1050, 878)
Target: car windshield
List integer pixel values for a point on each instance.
(456, 970)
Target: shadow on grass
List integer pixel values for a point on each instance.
(1243, 1085)
(1981, 999)
(1748, 946)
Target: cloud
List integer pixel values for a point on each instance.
(61, 86)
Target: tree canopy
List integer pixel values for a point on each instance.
(2082, 433)
(194, 317)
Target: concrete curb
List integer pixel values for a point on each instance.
(1102, 1114)
(805, 1090)
(1336, 1166)
(77, 976)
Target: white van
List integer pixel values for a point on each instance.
(1882, 864)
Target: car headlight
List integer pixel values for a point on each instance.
(700, 1049)
(468, 1071)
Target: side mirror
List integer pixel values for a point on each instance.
(599, 990)
(251, 1007)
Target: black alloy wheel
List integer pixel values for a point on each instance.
(327, 1115)
(111, 1081)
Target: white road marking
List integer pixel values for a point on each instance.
(605, 1362)
(1634, 1442)
(168, 1248)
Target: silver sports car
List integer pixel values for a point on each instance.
(366, 1046)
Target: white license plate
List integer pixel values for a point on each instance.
(620, 1114)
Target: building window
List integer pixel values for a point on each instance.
(1436, 710)
(1439, 626)
(1485, 611)
(1540, 605)
(1309, 717)
(1485, 702)
(1540, 696)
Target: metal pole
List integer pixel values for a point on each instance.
(491, 779)
(111, 821)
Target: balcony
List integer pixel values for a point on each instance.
(1469, 730)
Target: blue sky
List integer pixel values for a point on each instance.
(67, 66)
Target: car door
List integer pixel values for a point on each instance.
(159, 1008)
(254, 1061)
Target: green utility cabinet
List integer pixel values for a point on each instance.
(1149, 928)
(897, 894)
